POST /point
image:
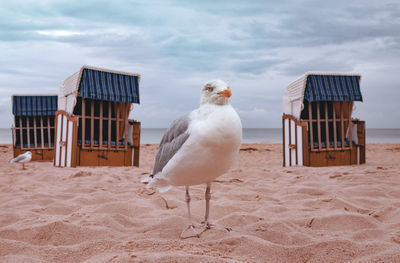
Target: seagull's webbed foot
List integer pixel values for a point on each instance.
(206, 225)
(190, 231)
(194, 230)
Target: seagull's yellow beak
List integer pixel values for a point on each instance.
(226, 93)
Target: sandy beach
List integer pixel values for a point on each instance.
(276, 214)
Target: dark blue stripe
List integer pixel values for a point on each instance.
(40, 105)
(28, 106)
(34, 106)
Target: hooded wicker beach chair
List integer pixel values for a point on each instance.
(318, 128)
(92, 122)
(33, 128)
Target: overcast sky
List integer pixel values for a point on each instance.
(257, 47)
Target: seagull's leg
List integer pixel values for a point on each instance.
(208, 198)
(23, 166)
(187, 198)
(190, 225)
(206, 224)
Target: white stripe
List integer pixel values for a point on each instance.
(293, 140)
(300, 145)
(58, 139)
(64, 138)
(69, 143)
(287, 142)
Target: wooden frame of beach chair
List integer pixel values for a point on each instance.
(301, 149)
(104, 125)
(33, 131)
(99, 147)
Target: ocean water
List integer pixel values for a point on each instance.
(250, 135)
(255, 135)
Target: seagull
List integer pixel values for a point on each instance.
(22, 159)
(199, 147)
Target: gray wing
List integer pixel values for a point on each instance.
(18, 158)
(173, 139)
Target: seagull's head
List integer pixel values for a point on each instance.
(215, 92)
(28, 153)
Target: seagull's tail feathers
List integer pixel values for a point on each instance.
(16, 159)
(160, 182)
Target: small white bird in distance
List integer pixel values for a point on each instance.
(199, 147)
(22, 159)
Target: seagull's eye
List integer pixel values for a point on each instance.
(210, 88)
